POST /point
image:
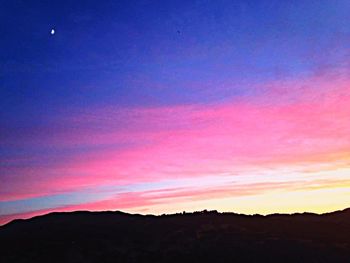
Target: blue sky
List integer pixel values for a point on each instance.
(133, 92)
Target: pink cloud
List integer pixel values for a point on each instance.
(190, 141)
(143, 201)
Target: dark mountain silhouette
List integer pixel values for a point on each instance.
(205, 236)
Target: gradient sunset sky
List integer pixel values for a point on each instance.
(165, 106)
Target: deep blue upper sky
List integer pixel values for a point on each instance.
(134, 53)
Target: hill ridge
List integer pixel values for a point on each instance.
(114, 212)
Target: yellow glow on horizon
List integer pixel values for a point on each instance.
(330, 193)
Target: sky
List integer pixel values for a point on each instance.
(158, 107)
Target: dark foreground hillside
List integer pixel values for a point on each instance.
(197, 237)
